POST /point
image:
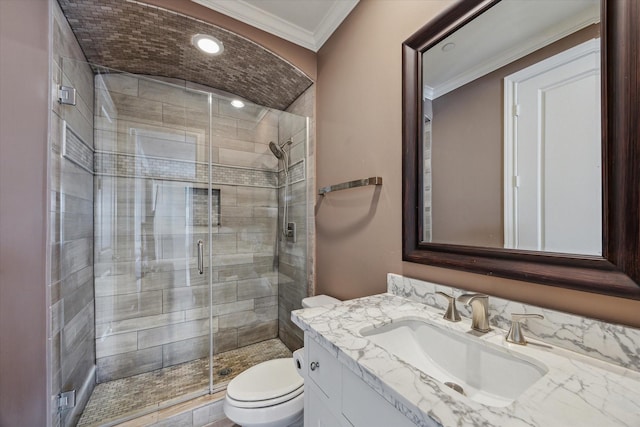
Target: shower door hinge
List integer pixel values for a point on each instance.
(66, 400)
(67, 95)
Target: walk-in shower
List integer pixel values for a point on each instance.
(150, 161)
(177, 173)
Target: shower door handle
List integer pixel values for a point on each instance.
(200, 256)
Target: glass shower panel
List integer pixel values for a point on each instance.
(72, 336)
(154, 208)
(245, 276)
(293, 190)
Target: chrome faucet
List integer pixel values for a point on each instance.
(479, 311)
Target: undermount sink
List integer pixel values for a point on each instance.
(481, 371)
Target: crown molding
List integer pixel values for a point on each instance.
(282, 28)
(332, 20)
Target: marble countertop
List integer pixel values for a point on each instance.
(576, 391)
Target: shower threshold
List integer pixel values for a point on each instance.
(120, 400)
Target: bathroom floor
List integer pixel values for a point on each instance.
(119, 399)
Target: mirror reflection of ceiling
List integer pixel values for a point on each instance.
(142, 39)
(493, 41)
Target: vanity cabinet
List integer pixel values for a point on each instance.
(334, 396)
(316, 411)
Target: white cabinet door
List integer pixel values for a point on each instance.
(336, 397)
(316, 411)
(363, 407)
(326, 372)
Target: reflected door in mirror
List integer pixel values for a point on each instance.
(553, 172)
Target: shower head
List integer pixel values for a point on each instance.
(276, 150)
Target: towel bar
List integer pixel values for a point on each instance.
(375, 180)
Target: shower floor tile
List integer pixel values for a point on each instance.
(120, 399)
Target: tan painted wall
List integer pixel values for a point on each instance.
(24, 115)
(359, 108)
(302, 58)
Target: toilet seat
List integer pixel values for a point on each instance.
(266, 384)
(265, 403)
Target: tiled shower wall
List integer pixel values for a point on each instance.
(151, 305)
(305, 106)
(295, 265)
(71, 336)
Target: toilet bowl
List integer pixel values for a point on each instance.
(270, 394)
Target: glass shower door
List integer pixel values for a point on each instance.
(153, 213)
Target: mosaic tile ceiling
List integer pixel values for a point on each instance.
(141, 39)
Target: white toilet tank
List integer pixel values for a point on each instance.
(318, 301)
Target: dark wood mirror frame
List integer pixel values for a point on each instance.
(617, 272)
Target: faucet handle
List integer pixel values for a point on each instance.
(515, 332)
(451, 314)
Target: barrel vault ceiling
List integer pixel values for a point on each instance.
(137, 38)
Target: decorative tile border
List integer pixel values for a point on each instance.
(127, 165)
(75, 149)
(296, 174)
(612, 343)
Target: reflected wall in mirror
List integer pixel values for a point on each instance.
(501, 174)
(512, 145)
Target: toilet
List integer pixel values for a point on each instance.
(270, 394)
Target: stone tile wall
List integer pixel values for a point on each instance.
(305, 106)
(152, 153)
(295, 261)
(71, 336)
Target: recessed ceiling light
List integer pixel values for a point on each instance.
(448, 47)
(237, 103)
(207, 44)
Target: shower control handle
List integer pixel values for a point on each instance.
(315, 365)
(200, 256)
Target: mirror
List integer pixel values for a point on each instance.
(497, 177)
(486, 189)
